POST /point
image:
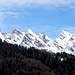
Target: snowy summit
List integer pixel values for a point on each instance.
(64, 43)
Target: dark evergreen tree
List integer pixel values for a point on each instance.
(17, 60)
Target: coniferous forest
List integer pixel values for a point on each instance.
(17, 60)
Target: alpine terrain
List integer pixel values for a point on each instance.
(65, 42)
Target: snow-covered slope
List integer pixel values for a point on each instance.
(16, 37)
(34, 40)
(2, 35)
(60, 44)
(65, 42)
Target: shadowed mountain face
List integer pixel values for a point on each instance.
(65, 42)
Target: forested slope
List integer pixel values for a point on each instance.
(17, 60)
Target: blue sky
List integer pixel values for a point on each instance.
(48, 16)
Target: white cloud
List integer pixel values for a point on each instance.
(29, 3)
(7, 7)
(3, 16)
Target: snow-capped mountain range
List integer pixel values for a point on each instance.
(65, 42)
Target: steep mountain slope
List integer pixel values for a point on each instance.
(65, 42)
(16, 37)
(2, 35)
(27, 39)
(61, 42)
(17, 60)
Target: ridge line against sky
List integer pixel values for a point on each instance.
(48, 16)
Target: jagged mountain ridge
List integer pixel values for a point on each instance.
(65, 42)
(28, 39)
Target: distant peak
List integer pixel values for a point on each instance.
(64, 32)
(17, 31)
(30, 31)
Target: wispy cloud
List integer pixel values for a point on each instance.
(29, 3)
(8, 8)
(5, 15)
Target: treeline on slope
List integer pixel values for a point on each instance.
(17, 60)
(14, 62)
